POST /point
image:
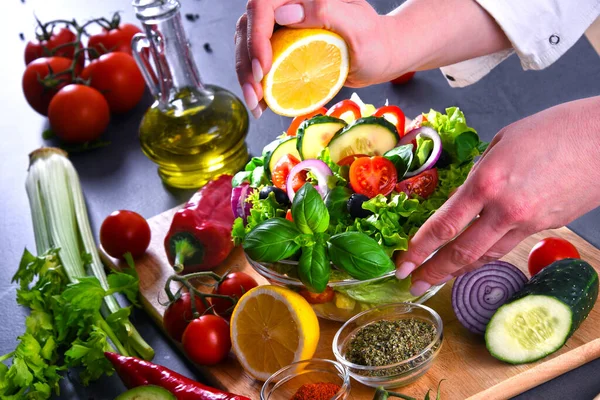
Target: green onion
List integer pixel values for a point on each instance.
(60, 221)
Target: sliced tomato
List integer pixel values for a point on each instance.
(293, 128)
(282, 169)
(372, 176)
(402, 79)
(350, 159)
(345, 106)
(299, 180)
(422, 185)
(393, 114)
(318, 298)
(288, 216)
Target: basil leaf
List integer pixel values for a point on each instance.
(359, 255)
(259, 177)
(314, 268)
(309, 211)
(336, 202)
(401, 157)
(466, 146)
(241, 177)
(272, 240)
(255, 162)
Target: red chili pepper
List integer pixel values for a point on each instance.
(199, 238)
(135, 372)
(396, 113)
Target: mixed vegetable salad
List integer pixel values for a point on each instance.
(371, 185)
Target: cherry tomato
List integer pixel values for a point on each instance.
(318, 298)
(117, 77)
(343, 107)
(179, 314)
(293, 128)
(44, 48)
(282, 169)
(422, 185)
(206, 340)
(372, 176)
(402, 79)
(393, 114)
(235, 285)
(78, 114)
(113, 40)
(125, 231)
(288, 216)
(40, 86)
(548, 250)
(347, 161)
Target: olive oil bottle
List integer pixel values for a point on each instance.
(193, 132)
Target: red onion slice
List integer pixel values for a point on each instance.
(478, 294)
(318, 168)
(239, 205)
(430, 133)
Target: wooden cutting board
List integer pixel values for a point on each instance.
(464, 362)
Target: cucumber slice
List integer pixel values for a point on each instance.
(148, 392)
(315, 134)
(274, 151)
(540, 318)
(369, 135)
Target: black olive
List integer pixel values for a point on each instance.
(280, 196)
(444, 161)
(354, 205)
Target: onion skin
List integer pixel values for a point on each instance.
(429, 133)
(318, 168)
(478, 294)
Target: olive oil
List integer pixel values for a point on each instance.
(193, 144)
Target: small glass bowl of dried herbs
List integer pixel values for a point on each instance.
(391, 345)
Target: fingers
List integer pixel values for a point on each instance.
(441, 227)
(261, 19)
(478, 244)
(251, 90)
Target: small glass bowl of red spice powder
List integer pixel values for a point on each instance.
(314, 379)
(390, 345)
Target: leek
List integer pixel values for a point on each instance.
(60, 221)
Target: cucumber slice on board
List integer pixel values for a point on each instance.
(315, 134)
(275, 150)
(540, 318)
(369, 135)
(149, 392)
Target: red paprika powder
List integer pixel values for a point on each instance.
(316, 391)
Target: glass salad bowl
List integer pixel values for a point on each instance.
(350, 296)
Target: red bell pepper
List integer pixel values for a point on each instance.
(396, 114)
(343, 107)
(293, 128)
(135, 372)
(199, 238)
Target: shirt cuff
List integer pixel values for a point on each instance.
(468, 72)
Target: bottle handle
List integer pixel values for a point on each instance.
(140, 46)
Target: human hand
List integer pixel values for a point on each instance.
(538, 173)
(365, 32)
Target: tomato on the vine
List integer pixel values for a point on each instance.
(178, 315)
(293, 128)
(45, 46)
(548, 250)
(422, 185)
(43, 78)
(125, 231)
(78, 114)
(234, 284)
(206, 340)
(113, 40)
(282, 169)
(372, 176)
(117, 77)
(318, 298)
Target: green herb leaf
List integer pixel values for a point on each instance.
(258, 177)
(254, 162)
(87, 294)
(359, 255)
(90, 354)
(401, 157)
(314, 268)
(309, 211)
(336, 202)
(126, 283)
(340, 173)
(272, 240)
(241, 177)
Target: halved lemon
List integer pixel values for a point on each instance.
(309, 68)
(271, 327)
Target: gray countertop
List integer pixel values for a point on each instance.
(120, 177)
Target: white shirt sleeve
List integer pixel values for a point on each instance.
(540, 32)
